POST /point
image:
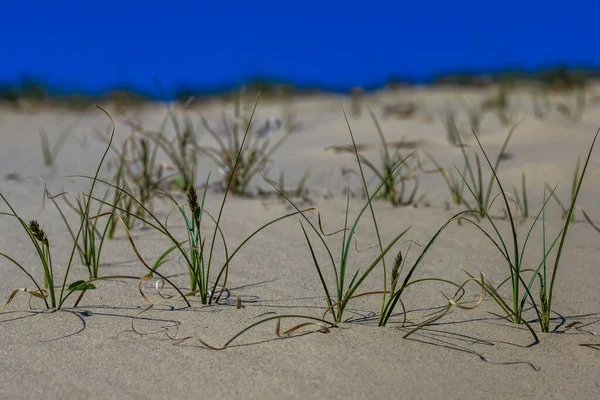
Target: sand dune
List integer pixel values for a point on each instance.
(112, 346)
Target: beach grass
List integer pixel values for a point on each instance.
(545, 274)
(394, 172)
(242, 154)
(41, 243)
(471, 174)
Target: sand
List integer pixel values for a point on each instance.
(112, 346)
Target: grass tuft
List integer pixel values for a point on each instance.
(41, 244)
(521, 283)
(237, 163)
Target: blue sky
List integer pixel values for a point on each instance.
(95, 45)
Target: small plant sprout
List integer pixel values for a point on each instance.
(41, 244)
(346, 287)
(475, 175)
(196, 252)
(396, 291)
(289, 117)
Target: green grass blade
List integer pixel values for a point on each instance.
(9, 258)
(497, 162)
(87, 206)
(323, 283)
(568, 222)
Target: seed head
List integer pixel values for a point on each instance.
(192, 199)
(396, 268)
(38, 232)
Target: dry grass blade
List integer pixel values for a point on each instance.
(325, 327)
(455, 186)
(452, 302)
(289, 331)
(238, 298)
(393, 300)
(589, 220)
(595, 346)
(40, 294)
(143, 279)
(378, 292)
(489, 288)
